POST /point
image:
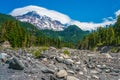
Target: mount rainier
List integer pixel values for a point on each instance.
(41, 18)
(41, 22)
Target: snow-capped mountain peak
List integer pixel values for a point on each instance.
(40, 21)
(42, 18)
(43, 12)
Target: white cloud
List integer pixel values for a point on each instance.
(91, 25)
(117, 13)
(42, 11)
(64, 18)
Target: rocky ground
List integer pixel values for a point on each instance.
(55, 64)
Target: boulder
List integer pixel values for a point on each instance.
(14, 63)
(61, 74)
(45, 60)
(3, 56)
(64, 56)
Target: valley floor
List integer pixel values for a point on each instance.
(59, 64)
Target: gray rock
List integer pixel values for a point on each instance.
(95, 77)
(59, 59)
(101, 67)
(115, 70)
(45, 60)
(86, 65)
(72, 78)
(47, 70)
(53, 77)
(61, 74)
(107, 70)
(70, 71)
(114, 74)
(81, 73)
(20, 51)
(77, 63)
(76, 68)
(68, 62)
(3, 56)
(91, 66)
(94, 71)
(64, 56)
(14, 63)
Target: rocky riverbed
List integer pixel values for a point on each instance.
(55, 64)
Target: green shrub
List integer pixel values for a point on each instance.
(99, 44)
(114, 50)
(66, 52)
(44, 48)
(37, 53)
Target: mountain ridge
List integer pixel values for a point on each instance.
(70, 34)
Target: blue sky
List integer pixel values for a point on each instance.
(86, 11)
(82, 10)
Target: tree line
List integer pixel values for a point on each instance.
(103, 36)
(20, 36)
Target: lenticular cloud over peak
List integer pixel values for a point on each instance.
(64, 19)
(42, 11)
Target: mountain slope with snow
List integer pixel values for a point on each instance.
(41, 22)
